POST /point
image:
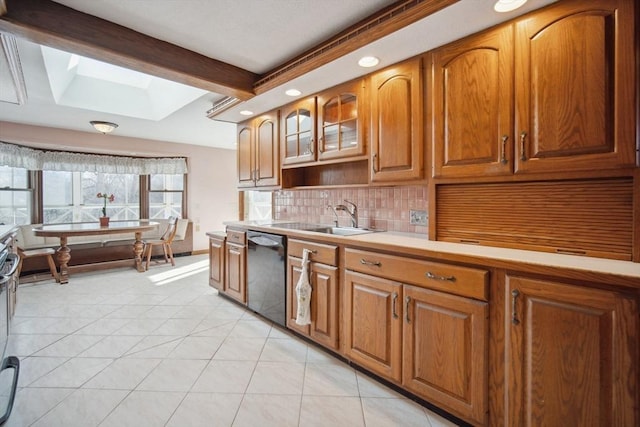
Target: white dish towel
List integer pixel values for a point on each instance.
(303, 292)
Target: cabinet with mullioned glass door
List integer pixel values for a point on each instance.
(341, 121)
(298, 125)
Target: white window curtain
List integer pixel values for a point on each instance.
(23, 157)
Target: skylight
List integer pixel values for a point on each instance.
(86, 83)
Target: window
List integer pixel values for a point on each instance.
(15, 196)
(257, 205)
(71, 196)
(166, 195)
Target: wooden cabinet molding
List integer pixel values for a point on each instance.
(216, 262)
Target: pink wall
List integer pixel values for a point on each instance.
(386, 208)
(213, 197)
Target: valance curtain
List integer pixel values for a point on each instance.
(28, 158)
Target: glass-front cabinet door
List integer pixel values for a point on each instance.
(299, 132)
(340, 119)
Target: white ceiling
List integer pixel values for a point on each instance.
(256, 35)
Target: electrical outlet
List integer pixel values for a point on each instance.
(417, 217)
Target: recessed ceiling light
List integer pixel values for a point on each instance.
(246, 113)
(293, 92)
(368, 61)
(508, 5)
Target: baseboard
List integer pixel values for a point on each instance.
(200, 252)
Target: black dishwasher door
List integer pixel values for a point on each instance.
(266, 275)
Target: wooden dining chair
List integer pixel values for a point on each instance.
(164, 241)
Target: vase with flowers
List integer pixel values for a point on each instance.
(104, 219)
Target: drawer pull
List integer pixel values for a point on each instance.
(430, 275)
(395, 300)
(407, 300)
(503, 155)
(523, 137)
(367, 262)
(514, 315)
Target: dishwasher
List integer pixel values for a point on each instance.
(266, 275)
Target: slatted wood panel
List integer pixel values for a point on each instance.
(586, 217)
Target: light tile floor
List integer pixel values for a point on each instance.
(161, 348)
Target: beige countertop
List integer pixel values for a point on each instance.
(622, 272)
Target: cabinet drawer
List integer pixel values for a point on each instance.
(324, 254)
(454, 279)
(238, 237)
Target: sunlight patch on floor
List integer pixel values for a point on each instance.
(166, 277)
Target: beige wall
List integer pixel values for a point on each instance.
(213, 197)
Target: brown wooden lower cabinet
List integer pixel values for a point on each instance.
(216, 262)
(445, 350)
(372, 323)
(572, 355)
(235, 271)
(324, 301)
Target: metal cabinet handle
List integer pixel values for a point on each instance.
(514, 315)
(320, 144)
(407, 300)
(367, 262)
(373, 162)
(503, 156)
(395, 300)
(523, 137)
(311, 143)
(430, 275)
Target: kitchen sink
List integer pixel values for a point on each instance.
(344, 231)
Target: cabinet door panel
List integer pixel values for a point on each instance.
(267, 152)
(373, 329)
(396, 123)
(235, 275)
(472, 104)
(571, 355)
(574, 65)
(216, 263)
(445, 344)
(299, 132)
(246, 156)
(341, 120)
(294, 270)
(324, 304)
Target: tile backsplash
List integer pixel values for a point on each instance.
(387, 208)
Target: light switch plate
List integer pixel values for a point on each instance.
(417, 217)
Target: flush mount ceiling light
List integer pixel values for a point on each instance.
(293, 92)
(368, 61)
(508, 5)
(246, 113)
(104, 127)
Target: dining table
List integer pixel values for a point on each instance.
(66, 230)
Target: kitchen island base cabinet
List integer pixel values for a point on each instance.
(445, 351)
(373, 327)
(572, 355)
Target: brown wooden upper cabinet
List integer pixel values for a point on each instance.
(299, 132)
(258, 152)
(396, 123)
(472, 95)
(341, 124)
(572, 97)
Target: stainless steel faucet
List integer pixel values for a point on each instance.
(353, 212)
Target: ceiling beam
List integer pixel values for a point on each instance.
(374, 27)
(52, 24)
